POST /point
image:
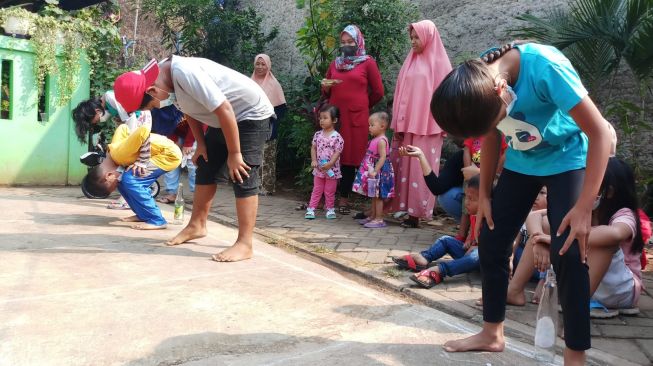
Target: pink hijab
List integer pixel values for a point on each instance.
(269, 83)
(418, 78)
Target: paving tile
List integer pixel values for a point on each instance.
(626, 331)
(626, 349)
(646, 345)
(639, 321)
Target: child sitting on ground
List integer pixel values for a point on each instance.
(325, 159)
(465, 254)
(375, 177)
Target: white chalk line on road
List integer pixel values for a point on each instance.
(425, 316)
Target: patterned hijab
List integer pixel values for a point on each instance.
(346, 63)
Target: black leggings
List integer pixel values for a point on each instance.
(511, 202)
(347, 180)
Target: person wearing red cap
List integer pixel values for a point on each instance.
(237, 112)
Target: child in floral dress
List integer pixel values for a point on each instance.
(375, 177)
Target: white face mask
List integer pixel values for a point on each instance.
(105, 116)
(170, 100)
(513, 96)
(597, 202)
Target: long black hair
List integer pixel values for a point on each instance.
(83, 114)
(618, 191)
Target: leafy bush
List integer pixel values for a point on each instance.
(216, 29)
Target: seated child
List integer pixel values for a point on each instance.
(124, 151)
(465, 254)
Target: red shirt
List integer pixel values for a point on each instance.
(473, 144)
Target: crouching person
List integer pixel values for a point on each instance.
(131, 170)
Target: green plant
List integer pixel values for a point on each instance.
(631, 122)
(317, 38)
(59, 38)
(602, 38)
(599, 36)
(218, 30)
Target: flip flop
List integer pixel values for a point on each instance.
(434, 278)
(166, 199)
(117, 205)
(407, 262)
(599, 311)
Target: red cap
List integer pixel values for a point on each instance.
(130, 87)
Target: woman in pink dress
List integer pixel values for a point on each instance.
(423, 70)
(358, 87)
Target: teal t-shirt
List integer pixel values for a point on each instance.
(542, 138)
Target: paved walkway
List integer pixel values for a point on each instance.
(345, 245)
(79, 287)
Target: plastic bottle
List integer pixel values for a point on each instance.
(329, 172)
(179, 206)
(547, 320)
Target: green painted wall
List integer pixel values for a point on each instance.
(34, 152)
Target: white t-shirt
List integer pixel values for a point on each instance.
(202, 85)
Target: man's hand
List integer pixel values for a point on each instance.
(201, 151)
(186, 150)
(237, 167)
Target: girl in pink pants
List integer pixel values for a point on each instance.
(325, 159)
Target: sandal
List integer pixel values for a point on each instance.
(410, 224)
(359, 216)
(433, 278)
(599, 311)
(344, 210)
(118, 205)
(408, 262)
(168, 198)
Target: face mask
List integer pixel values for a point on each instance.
(348, 51)
(597, 202)
(513, 96)
(105, 116)
(170, 100)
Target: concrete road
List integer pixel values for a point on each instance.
(79, 287)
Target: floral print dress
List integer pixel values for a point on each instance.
(386, 186)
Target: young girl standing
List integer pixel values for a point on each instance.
(531, 94)
(375, 177)
(325, 159)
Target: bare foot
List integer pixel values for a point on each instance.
(516, 298)
(477, 342)
(133, 218)
(146, 226)
(187, 234)
(419, 259)
(237, 252)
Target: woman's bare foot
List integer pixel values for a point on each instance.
(146, 226)
(478, 342)
(516, 298)
(187, 234)
(133, 218)
(237, 252)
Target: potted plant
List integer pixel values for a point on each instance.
(16, 21)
